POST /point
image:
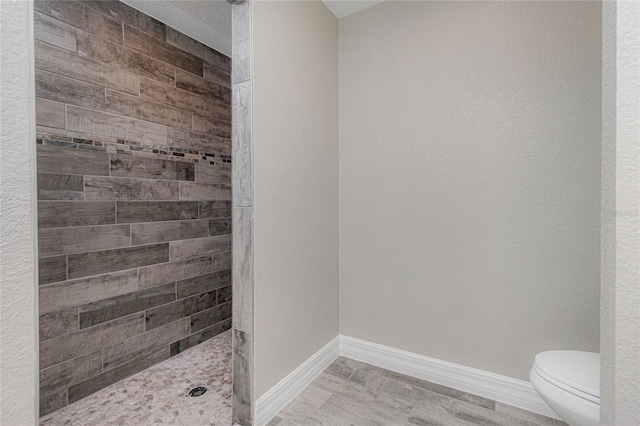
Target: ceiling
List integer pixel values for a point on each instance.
(209, 21)
(342, 8)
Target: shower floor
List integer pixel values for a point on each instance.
(159, 395)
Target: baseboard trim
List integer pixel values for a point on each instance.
(517, 393)
(507, 390)
(268, 405)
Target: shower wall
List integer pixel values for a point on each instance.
(134, 189)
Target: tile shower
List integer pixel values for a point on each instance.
(134, 194)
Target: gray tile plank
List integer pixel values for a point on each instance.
(124, 165)
(60, 187)
(342, 367)
(299, 412)
(54, 324)
(186, 43)
(63, 62)
(126, 304)
(76, 14)
(430, 414)
(155, 275)
(133, 106)
(200, 336)
(412, 394)
(222, 261)
(52, 402)
(156, 232)
(368, 376)
(202, 191)
(67, 294)
(277, 420)
(65, 374)
(314, 396)
(454, 393)
(360, 405)
(181, 138)
(61, 160)
(156, 211)
(430, 406)
(103, 261)
(115, 126)
(210, 316)
(52, 269)
(170, 95)
(117, 188)
(213, 173)
(519, 413)
(210, 125)
(216, 74)
(225, 295)
(174, 311)
(54, 241)
(242, 377)
(219, 226)
(198, 85)
(196, 247)
(243, 268)
(114, 375)
(50, 114)
(455, 411)
(55, 351)
(203, 283)
(215, 209)
(67, 90)
(114, 54)
(53, 31)
(242, 146)
(241, 43)
(53, 214)
(130, 16)
(158, 49)
(127, 350)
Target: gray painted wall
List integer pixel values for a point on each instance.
(620, 314)
(295, 139)
(469, 179)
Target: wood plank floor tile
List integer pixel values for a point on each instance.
(349, 392)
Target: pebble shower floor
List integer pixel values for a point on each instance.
(160, 394)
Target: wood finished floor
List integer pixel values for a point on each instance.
(352, 393)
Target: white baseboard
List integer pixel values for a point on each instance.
(288, 388)
(517, 393)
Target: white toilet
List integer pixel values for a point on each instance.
(569, 382)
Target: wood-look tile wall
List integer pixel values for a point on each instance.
(243, 278)
(134, 188)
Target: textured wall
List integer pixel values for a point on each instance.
(620, 314)
(18, 328)
(134, 194)
(469, 179)
(295, 133)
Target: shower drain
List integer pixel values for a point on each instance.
(199, 391)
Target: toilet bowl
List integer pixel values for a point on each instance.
(569, 382)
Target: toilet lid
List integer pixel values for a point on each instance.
(571, 370)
